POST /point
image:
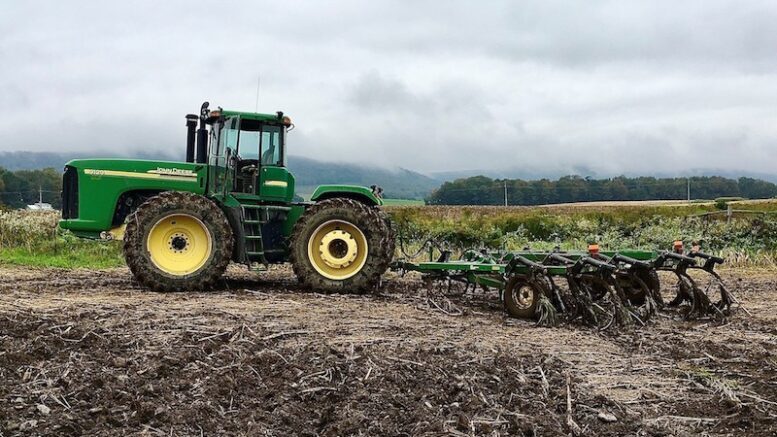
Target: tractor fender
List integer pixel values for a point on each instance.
(355, 192)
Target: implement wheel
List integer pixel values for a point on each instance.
(178, 241)
(521, 298)
(341, 245)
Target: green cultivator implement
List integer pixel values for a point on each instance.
(600, 289)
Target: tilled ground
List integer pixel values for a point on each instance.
(89, 353)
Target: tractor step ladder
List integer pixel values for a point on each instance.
(254, 216)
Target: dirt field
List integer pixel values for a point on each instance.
(88, 353)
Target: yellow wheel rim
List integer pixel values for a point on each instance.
(337, 249)
(179, 244)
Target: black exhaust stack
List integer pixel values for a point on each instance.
(191, 126)
(202, 136)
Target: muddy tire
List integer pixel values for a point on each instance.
(389, 238)
(178, 241)
(521, 298)
(341, 245)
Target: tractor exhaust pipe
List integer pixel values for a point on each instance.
(202, 136)
(191, 126)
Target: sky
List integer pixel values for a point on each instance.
(597, 87)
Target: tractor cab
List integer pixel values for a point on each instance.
(246, 155)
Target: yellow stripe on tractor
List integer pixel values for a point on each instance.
(132, 174)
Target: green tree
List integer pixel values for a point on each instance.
(480, 190)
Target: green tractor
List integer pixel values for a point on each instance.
(232, 200)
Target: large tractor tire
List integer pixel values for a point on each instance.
(341, 245)
(178, 241)
(389, 238)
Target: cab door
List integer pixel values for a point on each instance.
(275, 181)
(223, 143)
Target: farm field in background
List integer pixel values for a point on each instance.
(32, 238)
(403, 202)
(746, 239)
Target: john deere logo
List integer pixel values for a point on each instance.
(174, 172)
(160, 173)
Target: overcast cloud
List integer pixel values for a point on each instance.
(612, 86)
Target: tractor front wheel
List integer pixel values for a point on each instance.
(178, 241)
(341, 245)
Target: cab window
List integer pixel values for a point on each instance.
(222, 138)
(262, 142)
(249, 144)
(271, 146)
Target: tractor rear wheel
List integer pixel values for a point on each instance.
(178, 241)
(341, 245)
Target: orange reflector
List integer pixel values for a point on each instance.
(678, 246)
(593, 249)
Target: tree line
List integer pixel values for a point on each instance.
(481, 190)
(24, 187)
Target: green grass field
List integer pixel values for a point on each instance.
(92, 255)
(32, 238)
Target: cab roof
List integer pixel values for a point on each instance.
(277, 117)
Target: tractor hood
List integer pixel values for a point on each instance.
(92, 189)
(138, 168)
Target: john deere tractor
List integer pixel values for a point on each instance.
(232, 200)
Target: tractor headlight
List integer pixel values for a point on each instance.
(287, 121)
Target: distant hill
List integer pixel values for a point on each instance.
(397, 183)
(37, 160)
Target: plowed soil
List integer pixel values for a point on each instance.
(90, 353)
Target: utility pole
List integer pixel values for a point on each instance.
(689, 188)
(40, 195)
(505, 192)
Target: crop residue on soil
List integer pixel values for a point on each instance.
(88, 353)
